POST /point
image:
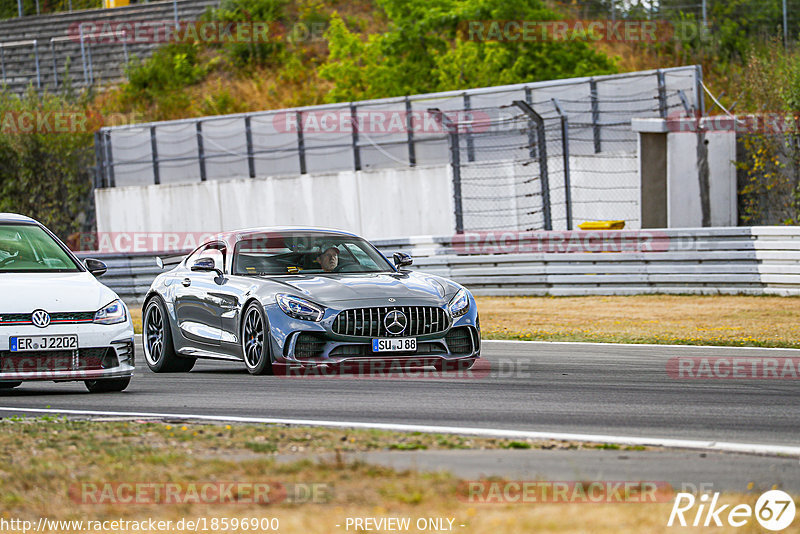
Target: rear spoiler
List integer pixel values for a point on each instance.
(169, 261)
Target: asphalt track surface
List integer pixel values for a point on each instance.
(610, 390)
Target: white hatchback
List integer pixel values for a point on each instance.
(57, 322)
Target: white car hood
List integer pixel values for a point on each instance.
(52, 292)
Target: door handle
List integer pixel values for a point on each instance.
(186, 282)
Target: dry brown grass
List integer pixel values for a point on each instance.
(681, 319)
(678, 319)
(44, 458)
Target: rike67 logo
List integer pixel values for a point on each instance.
(774, 510)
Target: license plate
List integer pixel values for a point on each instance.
(399, 344)
(37, 343)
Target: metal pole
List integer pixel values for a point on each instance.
(543, 178)
(154, 152)
(248, 132)
(662, 94)
(3, 61)
(356, 149)
(36, 60)
(37, 7)
(19, 7)
(785, 26)
(412, 155)
(109, 160)
(455, 162)
(55, 65)
(565, 154)
(595, 115)
(70, 6)
(98, 156)
(531, 132)
(201, 155)
(705, 18)
(175, 12)
(91, 67)
(467, 134)
(301, 145)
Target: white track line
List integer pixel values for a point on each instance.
(490, 432)
(634, 345)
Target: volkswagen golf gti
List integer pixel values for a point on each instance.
(57, 322)
(280, 299)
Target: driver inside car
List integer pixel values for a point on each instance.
(329, 259)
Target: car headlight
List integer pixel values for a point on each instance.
(299, 308)
(111, 314)
(459, 305)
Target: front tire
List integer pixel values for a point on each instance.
(159, 351)
(107, 385)
(255, 341)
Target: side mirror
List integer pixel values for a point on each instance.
(206, 265)
(401, 259)
(96, 267)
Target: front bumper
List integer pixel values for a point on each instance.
(104, 351)
(298, 343)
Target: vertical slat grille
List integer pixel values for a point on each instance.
(369, 322)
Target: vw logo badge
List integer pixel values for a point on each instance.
(395, 322)
(40, 318)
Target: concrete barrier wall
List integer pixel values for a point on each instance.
(373, 204)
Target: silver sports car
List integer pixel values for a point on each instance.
(282, 299)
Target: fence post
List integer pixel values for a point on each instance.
(565, 152)
(662, 94)
(700, 97)
(55, 63)
(3, 61)
(468, 130)
(595, 115)
(543, 178)
(175, 12)
(356, 149)
(109, 159)
(91, 66)
(19, 7)
(301, 145)
(531, 133)
(248, 132)
(36, 60)
(154, 153)
(201, 155)
(412, 155)
(455, 162)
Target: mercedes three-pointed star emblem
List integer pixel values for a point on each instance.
(395, 322)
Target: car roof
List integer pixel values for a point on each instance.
(15, 217)
(245, 233)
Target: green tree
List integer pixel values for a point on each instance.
(427, 49)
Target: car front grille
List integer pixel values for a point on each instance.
(15, 319)
(369, 322)
(459, 340)
(58, 360)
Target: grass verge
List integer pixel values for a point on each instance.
(50, 462)
(740, 321)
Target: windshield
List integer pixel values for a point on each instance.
(307, 253)
(28, 248)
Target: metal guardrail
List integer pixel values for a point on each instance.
(746, 260)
